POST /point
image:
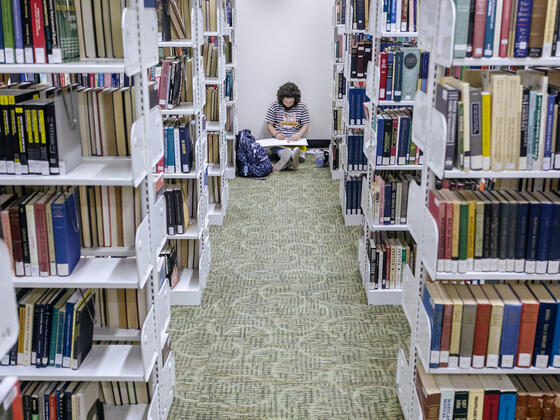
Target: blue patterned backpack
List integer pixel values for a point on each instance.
(252, 160)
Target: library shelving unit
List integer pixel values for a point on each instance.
(232, 123)
(377, 29)
(191, 283)
(436, 24)
(142, 361)
(339, 35)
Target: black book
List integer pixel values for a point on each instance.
(169, 202)
(524, 123)
(48, 24)
(354, 63)
(55, 36)
(512, 229)
(83, 330)
(178, 202)
(503, 227)
(494, 226)
(66, 399)
(27, 30)
(447, 99)
(522, 227)
(534, 220)
(387, 138)
(165, 19)
(470, 29)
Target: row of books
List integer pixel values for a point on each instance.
(228, 49)
(340, 85)
(338, 121)
(356, 99)
(481, 397)
(335, 150)
(109, 216)
(210, 57)
(340, 10)
(353, 187)
(213, 145)
(176, 201)
(360, 18)
(215, 189)
(174, 19)
(228, 92)
(501, 121)
(230, 119)
(389, 197)
(106, 117)
(120, 308)
(41, 230)
(212, 106)
(505, 28)
(357, 160)
(179, 137)
(500, 325)
(209, 15)
(388, 253)
(399, 15)
(394, 145)
(506, 230)
(187, 253)
(402, 71)
(360, 56)
(174, 78)
(55, 328)
(66, 79)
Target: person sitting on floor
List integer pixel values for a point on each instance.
(287, 118)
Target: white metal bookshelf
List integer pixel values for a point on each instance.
(436, 24)
(116, 362)
(338, 67)
(377, 296)
(231, 68)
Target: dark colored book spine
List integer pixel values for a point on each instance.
(43, 145)
(180, 217)
(48, 30)
(52, 140)
(2, 55)
(397, 90)
(169, 207)
(460, 409)
(512, 232)
(393, 201)
(166, 20)
(22, 140)
(522, 225)
(494, 231)
(47, 335)
(470, 29)
(354, 63)
(56, 52)
(545, 230)
(524, 123)
(544, 333)
(24, 239)
(522, 28)
(40, 335)
(533, 235)
(389, 79)
(35, 335)
(387, 205)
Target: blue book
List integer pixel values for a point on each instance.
(506, 410)
(521, 231)
(544, 233)
(18, 31)
(359, 196)
(387, 10)
(554, 359)
(380, 136)
(545, 325)
(387, 205)
(60, 336)
(389, 80)
(170, 136)
(69, 326)
(393, 15)
(348, 202)
(522, 28)
(532, 232)
(66, 232)
(549, 130)
(397, 77)
(2, 57)
(554, 253)
(350, 98)
(434, 308)
(186, 153)
(352, 187)
(364, 160)
(403, 140)
(510, 325)
(488, 45)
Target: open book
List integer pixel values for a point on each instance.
(284, 143)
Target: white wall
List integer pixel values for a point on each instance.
(280, 41)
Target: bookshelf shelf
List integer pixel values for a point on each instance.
(117, 251)
(215, 214)
(125, 412)
(384, 296)
(457, 173)
(353, 219)
(177, 43)
(488, 275)
(189, 175)
(491, 61)
(337, 174)
(116, 172)
(103, 363)
(106, 273)
(230, 136)
(393, 103)
(212, 80)
(214, 169)
(230, 171)
(184, 108)
(398, 167)
(100, 65)
(116, 334)
(387, 34)
(193, 232)
(187, 292)
(375, 227)
(356, 126)
(211, 33)
(213, 126)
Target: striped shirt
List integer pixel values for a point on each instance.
(287, 121)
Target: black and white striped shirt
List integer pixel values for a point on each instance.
(287, 121)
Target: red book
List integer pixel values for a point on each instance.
(6, 233)
(481, 326)
(41, 232)
(17, 246)
(38, 28)
(445, 326)
(91, 80)
(504, 34)
(163, 84)
(437, 210)
(382, 74)
(491, 405)
(479, 27)
(52, 405)
(360, 60)
(528, 325)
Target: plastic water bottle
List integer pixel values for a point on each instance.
(320, 159)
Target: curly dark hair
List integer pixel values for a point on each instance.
(289, 90)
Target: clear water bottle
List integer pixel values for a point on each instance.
(320, 159)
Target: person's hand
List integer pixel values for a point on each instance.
(295, 137)
(280, 136)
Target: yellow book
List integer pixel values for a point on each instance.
(469, 197)
(552, 6)
(476, 397)
(486, 129)
(455, 342)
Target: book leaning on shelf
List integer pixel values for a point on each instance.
(174, 19)
(213, 145)
(394, 145)
(120, 308)
(42, 231)
(389, 197)
(506, 28)
(230, 113)
(181, 197)
(173, 78)
(210, 57)
(212, 107)
(388, 254)
(501, 120)
(493, 325)
(353, 187)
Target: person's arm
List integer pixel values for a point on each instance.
(273, 132)
(300, 134)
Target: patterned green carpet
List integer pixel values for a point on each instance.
(284, 330)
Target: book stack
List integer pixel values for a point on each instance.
(340, 85)
(215, 189)
(360, 56)
(109, 216)
(388, 254)
(335, 148)
(503, 28)
(210, 57)
(360, 18)
(339, 44)
(212, 107)
(338, 120)
(188, 254)
(229, 87)
(500, 325)
(228, 12)
(209, 14)
(506, 230)
(213, 140)
(42, 232)
(394, 145)
(501, 120)
(174, 19)
(179, 136)
(402, 71)
(120, 308)
(399, 15)
(353, 189)
(177, 205)
(173, 75)
(228, 49)
(389, 197)
(487, 396)
(356, 98)
(340, 8)
(55, 328)
(357, 160)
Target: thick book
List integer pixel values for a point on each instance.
(482, 326)
(495, 325)
(545, 325)
(433, 303)
(462, 8)
(510, 326)
(454, 344)
(537, 28)
(410, 69)
(66, 232)
(528, 324)
(447, 99)
(468, 324)
(522, 28)
(428, 393)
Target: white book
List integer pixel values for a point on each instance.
(177, 148)
(447, 397)
(105, 208)
(32, 235)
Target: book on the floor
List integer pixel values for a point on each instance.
(282, 143)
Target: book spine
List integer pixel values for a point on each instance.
(510, 335)
(544, 237)
(2, 56)
(461, 28)
(39, 37)
(504, 30)
(532, 237)
(397, 91)
(17, 246)
(548, 134)
(60, 337)
(482, 327)
(544, 334)
(503, 241)
(42, 241)
(479, 28)
(527, 331)
(61, 237)
(18, 31)
(68, 333)
(524, 130)
(56, 51)
(489, 28)
(522, 28)
(53, 337)
(7, 26)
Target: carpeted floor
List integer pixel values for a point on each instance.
(284, 330)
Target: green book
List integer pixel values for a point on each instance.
(68, 29)
(462, 15)
(8, 28)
